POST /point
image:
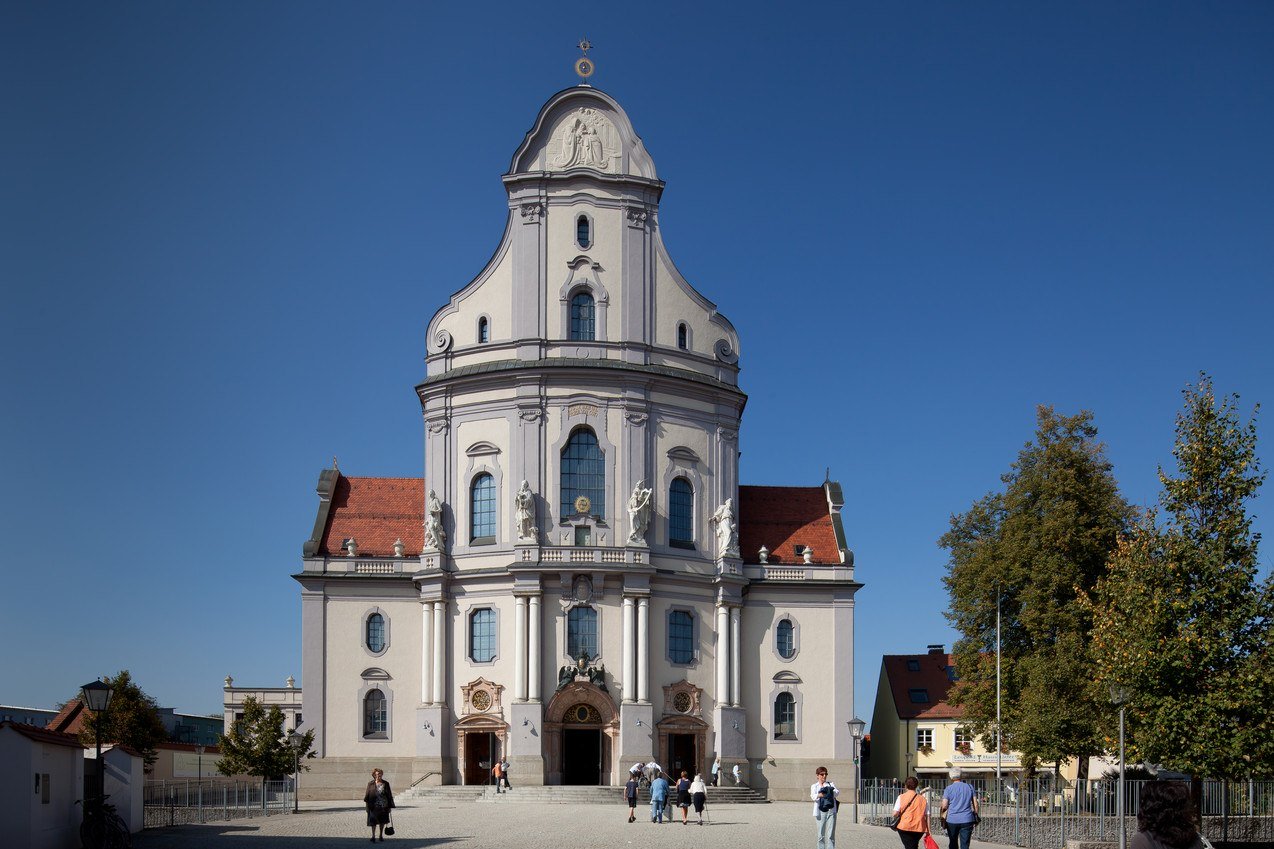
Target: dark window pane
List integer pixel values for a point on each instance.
(681, 337)
(583, 473)
(680, 637)
(583, 317)
(785, 716)
(375, 716)
(918, 695)
(482, 635)
(581, 632)
(376, 632)
(581, 232)
(786, 639)
(483, 334)
(681, 504)
(482, 508)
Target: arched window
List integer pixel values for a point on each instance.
(582, 236)
(482, 509)
(785, 635)
(681, 627)
(484, 331)
(376, 633)
(583, 317)
(375, 714)
(681, 508)
(683, 337)
(583, 473)
(581, 632)
(482, 635)
(785, 717)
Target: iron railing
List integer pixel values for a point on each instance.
(168, 803)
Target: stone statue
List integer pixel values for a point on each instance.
(524, 514)
(566, 675)
(435, 536)
(727, 530)
(639, 513)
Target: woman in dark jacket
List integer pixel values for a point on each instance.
(379, 800)
(1165, 818)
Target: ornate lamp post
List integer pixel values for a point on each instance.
(97, 698)
(856, 729)
(295, 739)
(1119, 695)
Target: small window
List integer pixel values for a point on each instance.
(913, 666)
(583, 317)
(924, 738)
(786, 636)
(376, 633)
(683, 340)
(918, 696)
(581, 632)
(482, 635)
(963, 740)
(681, 637)
(482, 512)
(785, 717)
(298, 720)
(375, 714)
(484, 331)
(582, 236)
(681, 505)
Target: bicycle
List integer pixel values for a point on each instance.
(102, 826)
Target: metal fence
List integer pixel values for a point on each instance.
(182, 802)
(1044, 814)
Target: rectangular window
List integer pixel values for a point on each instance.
(913, 666)
(482, 635)
(583, 535)
(298, 720)
(581, 632)
(681, 637)
(785, 717)
(924, 738)
(963, 739)
(918, 696)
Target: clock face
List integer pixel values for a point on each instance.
(582, 504)
(584, 67)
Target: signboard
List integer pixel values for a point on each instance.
(186, 764)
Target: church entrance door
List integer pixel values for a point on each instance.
(681, 754)
(582, 756)
(479, 746)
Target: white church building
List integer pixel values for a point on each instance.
(579, 582)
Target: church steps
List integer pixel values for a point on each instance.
(570, 795)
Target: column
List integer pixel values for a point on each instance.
(535, 663)
(734, 656)
(630, 671)
(519, 648)
(643, 650)
(440, 650)
(427, 652)
(723, 655)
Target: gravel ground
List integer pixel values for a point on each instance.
(512, 825)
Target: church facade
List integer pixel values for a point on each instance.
(579, 582)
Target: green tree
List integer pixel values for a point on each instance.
(1031, 546)
(1183, 620)
(256, 744)
(132, 718)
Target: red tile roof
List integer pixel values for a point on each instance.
(932, 677)
(70, 719)
(43, 735)
(376, 512)
(780, 517)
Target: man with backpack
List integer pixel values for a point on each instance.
(823, 794)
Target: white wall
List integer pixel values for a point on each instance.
(125, 775)
(28, 821)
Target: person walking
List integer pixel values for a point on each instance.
(698, 796)
(630, 793)
(496, 775)
(959, 810)
(504, 772)
(912, 810)
(658, 797)
(379, 800)
(1165, 818)
(683, 797)
(823, 794)
(716, 771)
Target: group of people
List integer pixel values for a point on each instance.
(688, 793)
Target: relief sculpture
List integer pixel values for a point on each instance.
(587, 139)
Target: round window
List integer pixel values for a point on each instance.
(681, 702)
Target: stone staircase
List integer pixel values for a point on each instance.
(568, 795)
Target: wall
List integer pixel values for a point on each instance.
(28, 821)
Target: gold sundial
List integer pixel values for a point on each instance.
(582, 504)
(584, 66)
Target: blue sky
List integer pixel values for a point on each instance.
(224, 228)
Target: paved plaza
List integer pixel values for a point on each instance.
(514, 825)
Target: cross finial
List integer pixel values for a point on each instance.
(584, 65)
(585, 46)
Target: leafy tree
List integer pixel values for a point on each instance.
(256, 744)
(1183, 620)
(132, 718)
(1032, 545)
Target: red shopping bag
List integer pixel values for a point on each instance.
(930, 843)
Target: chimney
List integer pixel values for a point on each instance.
(937, 648)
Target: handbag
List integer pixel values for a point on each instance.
(897, 818)
(930, 843)
(389, 829)
(977, 818)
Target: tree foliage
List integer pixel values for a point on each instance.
(1033, 545)
(1183, 620)
(256, 744)
(131, 718)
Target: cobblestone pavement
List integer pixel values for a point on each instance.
(512, 825)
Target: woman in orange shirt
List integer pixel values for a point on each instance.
(914, 809)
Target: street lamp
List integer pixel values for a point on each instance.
(97, 698)
(295, 739)
(856, 729)
(199, 750)
(1119, 695)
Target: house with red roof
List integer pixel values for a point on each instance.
(578, 581)
(41, 778)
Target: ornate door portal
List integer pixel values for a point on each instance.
(581, 726)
